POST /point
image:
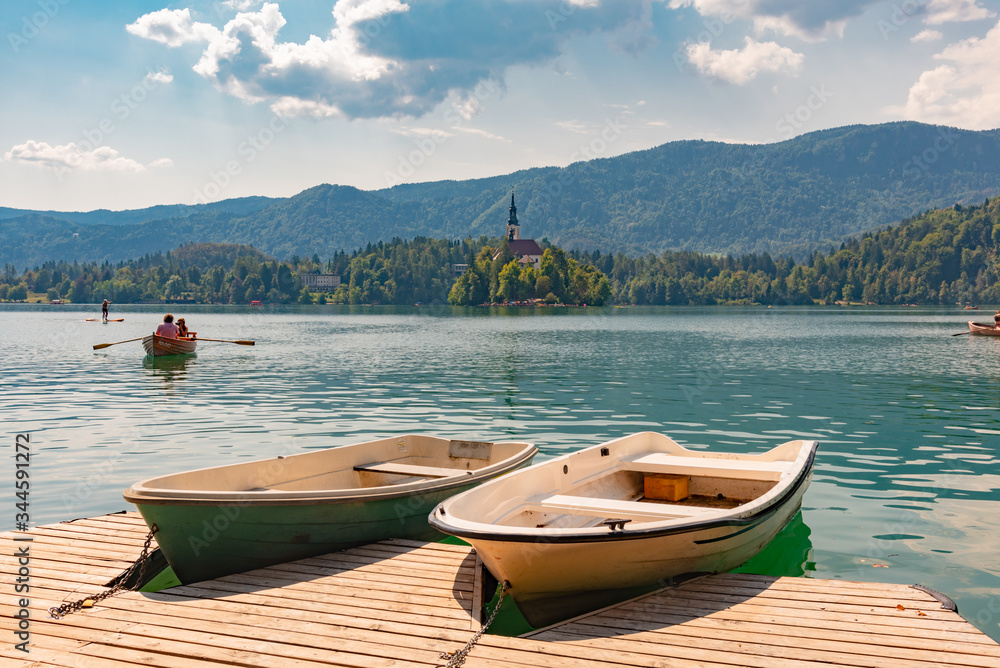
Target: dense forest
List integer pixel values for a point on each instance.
(787, 198)
(941, 257)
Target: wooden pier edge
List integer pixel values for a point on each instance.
(402, 603)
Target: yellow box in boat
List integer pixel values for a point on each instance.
(666, 486)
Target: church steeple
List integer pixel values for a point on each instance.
(513, 228)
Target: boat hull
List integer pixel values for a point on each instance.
(159, 346)
(229, 519)
(208, 542)
(983, 329)
(585, 530)
(556, 581)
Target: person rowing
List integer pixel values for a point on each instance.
(104, 310)
(167, 328)
(996, 320)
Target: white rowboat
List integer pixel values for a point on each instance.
(579, 532)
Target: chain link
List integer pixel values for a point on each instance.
(457, 658)
(58, 612)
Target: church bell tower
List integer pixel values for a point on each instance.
(513, 229)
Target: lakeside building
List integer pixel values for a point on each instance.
(320, 281)
(527, 251)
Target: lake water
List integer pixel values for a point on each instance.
(907, 482)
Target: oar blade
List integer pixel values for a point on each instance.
(99, 346)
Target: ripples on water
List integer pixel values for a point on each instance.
(907, 416)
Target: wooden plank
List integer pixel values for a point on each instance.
(658, 462)
(597, 507)
(399, 468)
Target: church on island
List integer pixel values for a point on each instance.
(526, 251)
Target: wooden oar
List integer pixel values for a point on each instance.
(961, 333)
(105, 345)
(242, 343)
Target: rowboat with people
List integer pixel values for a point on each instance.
(230, 519)
(618, 519)
(158, 346)
(983, 329)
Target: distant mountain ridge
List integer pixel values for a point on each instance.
(789, 197)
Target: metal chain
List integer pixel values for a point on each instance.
(458, 657)
(58, 612)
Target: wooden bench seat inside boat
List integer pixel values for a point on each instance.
(398, 468)
(598, 507)
(700, 466)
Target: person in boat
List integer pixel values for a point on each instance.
(182, 330)
(167, 328)
(104, 310)
(996, 320)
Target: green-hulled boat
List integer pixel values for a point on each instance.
(230, 519)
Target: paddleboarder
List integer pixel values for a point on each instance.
(104, 310)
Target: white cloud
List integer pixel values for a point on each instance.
(964, 91)
(241, 5)
(70, 156)
(382, 58)
(173, 27)
(573, 126)
(481, 133)
(927, 36)
(947, 11)
(160, 77)
(810, 21)
(739, 66)
(162, 162)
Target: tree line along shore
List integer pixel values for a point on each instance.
(944, 256)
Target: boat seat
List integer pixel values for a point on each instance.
(596, 507)
(702, 466)
(398, 468)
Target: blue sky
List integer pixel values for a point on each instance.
(129, 104)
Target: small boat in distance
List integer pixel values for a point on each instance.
(983, 329)
(158, 346)
(230, 519)
(619, 519)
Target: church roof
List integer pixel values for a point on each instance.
(524, 247)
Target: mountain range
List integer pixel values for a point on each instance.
(788, 198)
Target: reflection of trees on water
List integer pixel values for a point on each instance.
(169, 368)
(789, 554)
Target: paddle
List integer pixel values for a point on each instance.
(961, 333)
(242, 343)
(99, 346)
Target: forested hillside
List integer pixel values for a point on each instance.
(787, 198)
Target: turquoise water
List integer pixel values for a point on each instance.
(907, 483)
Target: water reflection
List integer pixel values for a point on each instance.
(170, 368)
(790, 553)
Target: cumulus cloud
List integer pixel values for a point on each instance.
(927, 36)
(739, 66)
(810, 21)
(71, 156)
(963, 91)
(162, 162)
(384, 58)
(173, 27)
(947, 11)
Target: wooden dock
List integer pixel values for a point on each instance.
(401, 603)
